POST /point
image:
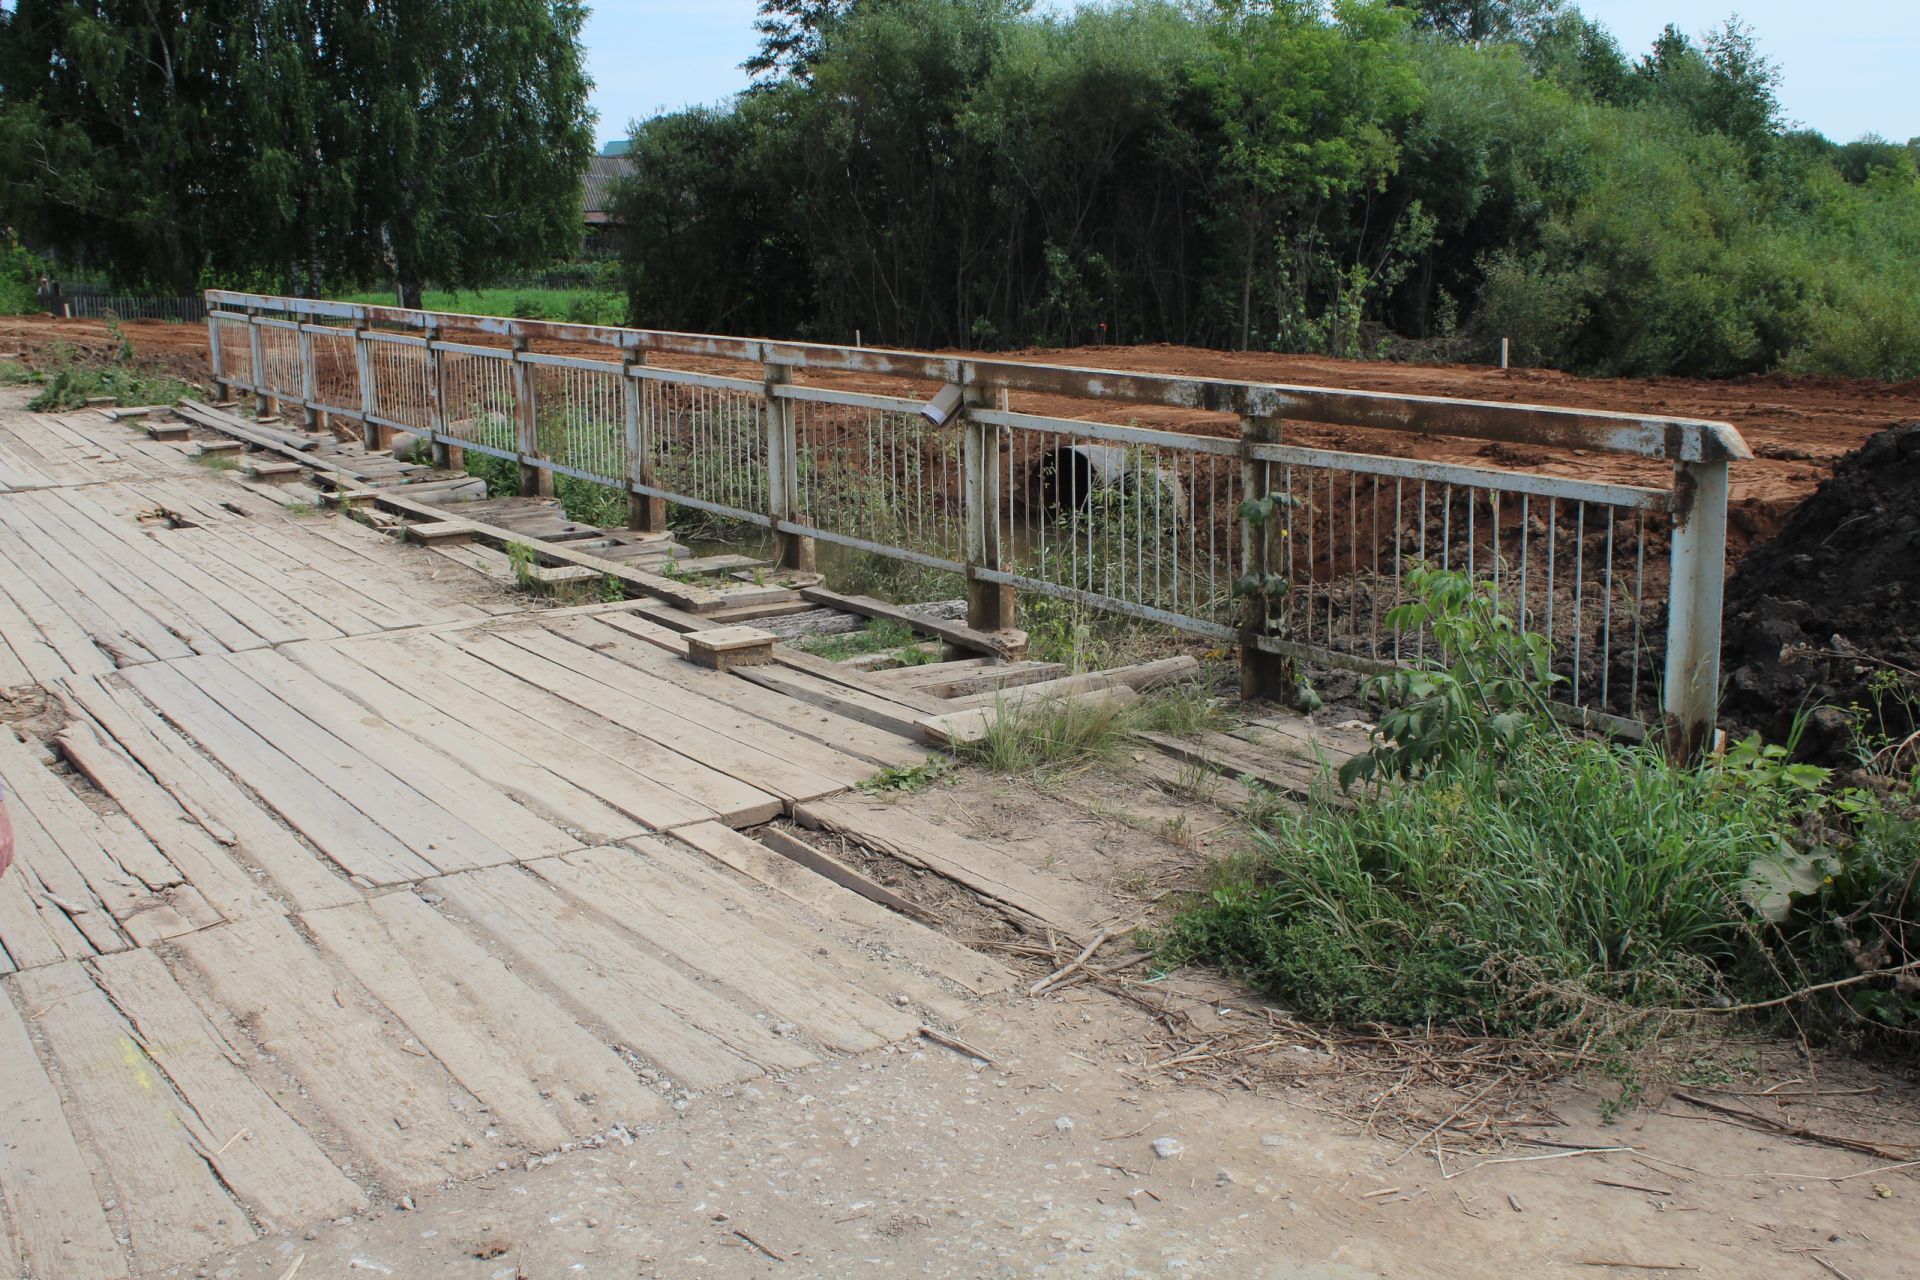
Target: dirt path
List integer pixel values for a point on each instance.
(918, 1160)
(1797, 426)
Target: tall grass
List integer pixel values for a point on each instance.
(1524, 877)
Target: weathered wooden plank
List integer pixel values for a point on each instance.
(439, 834)
(499, 761)
(106, 843)
(685, 757)
(792, 847)
(1138, 676)
(760, 752)
(998, 877)
(148, 1141)
(263, 1156)
(872, 924)
(50, 1198)
(333, 824)
(608, 976)
(629, 774)
(440, 779)
(1010, 645)
(58, 887)
(78, 587)
(61, 630)
(398, 1108)
(221, 809)
(204, 861)
(511, 1046)
(964, 728)
(733, 955)
(852, 737)
(130, 565)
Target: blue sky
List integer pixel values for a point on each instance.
(1849, 65)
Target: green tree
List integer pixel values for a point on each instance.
(294, 141)
(1304, 108)
(792, 34)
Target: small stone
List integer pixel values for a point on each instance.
(1223, 1178)
(1166, 1148)
(1064, 1124)
(784, 1028)
(1272, 1140)
(903, 1000)
(405, 1205)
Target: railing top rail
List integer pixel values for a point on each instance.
(1651, 436)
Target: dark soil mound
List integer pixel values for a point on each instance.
(1815, 613)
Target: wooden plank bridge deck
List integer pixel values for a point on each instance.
(343, 874)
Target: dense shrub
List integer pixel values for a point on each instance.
(1286, 176)
(1525, 878)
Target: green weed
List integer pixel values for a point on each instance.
(1516, 877)
(905, 779)
(216, 461)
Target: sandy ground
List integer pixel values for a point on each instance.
(1042, 1157)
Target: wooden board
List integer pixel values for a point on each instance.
(998, 877)
(611, 977)
(148, 1141)
(262, 1155)
(437, 777)
(512, 1047)
(726, 946)
(872, 925)
(693, 760)
(206, 794)
(490, 749)
(854, 738)
(398, 1107)
(348, 836)
(50, 1199)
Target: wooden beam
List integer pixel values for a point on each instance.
(1010, 645)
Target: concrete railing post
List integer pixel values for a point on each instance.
(260, 401)
(535, 482)
(363, 373)
(214, 358)
(790, 550)
(990, 605)
(309, 380)
(646, 513)
(1697, 583)
(1263, 674)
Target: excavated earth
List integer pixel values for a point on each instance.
(1827, 613)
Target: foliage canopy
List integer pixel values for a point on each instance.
(1361, 177)
(297, 143)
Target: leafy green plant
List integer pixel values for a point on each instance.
(522, 559)
(1483, 692)
(905, 779)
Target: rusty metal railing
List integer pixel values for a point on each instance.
(1089, 507)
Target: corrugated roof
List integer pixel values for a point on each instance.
(602, 173)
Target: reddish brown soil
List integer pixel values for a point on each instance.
(1797, 427)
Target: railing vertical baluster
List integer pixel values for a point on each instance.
(215, 357)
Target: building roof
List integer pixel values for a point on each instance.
(602, 173)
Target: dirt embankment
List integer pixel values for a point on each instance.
(1828, 612)
(1799, 428)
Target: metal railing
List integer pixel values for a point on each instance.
(88, 302)
(1625, 578)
